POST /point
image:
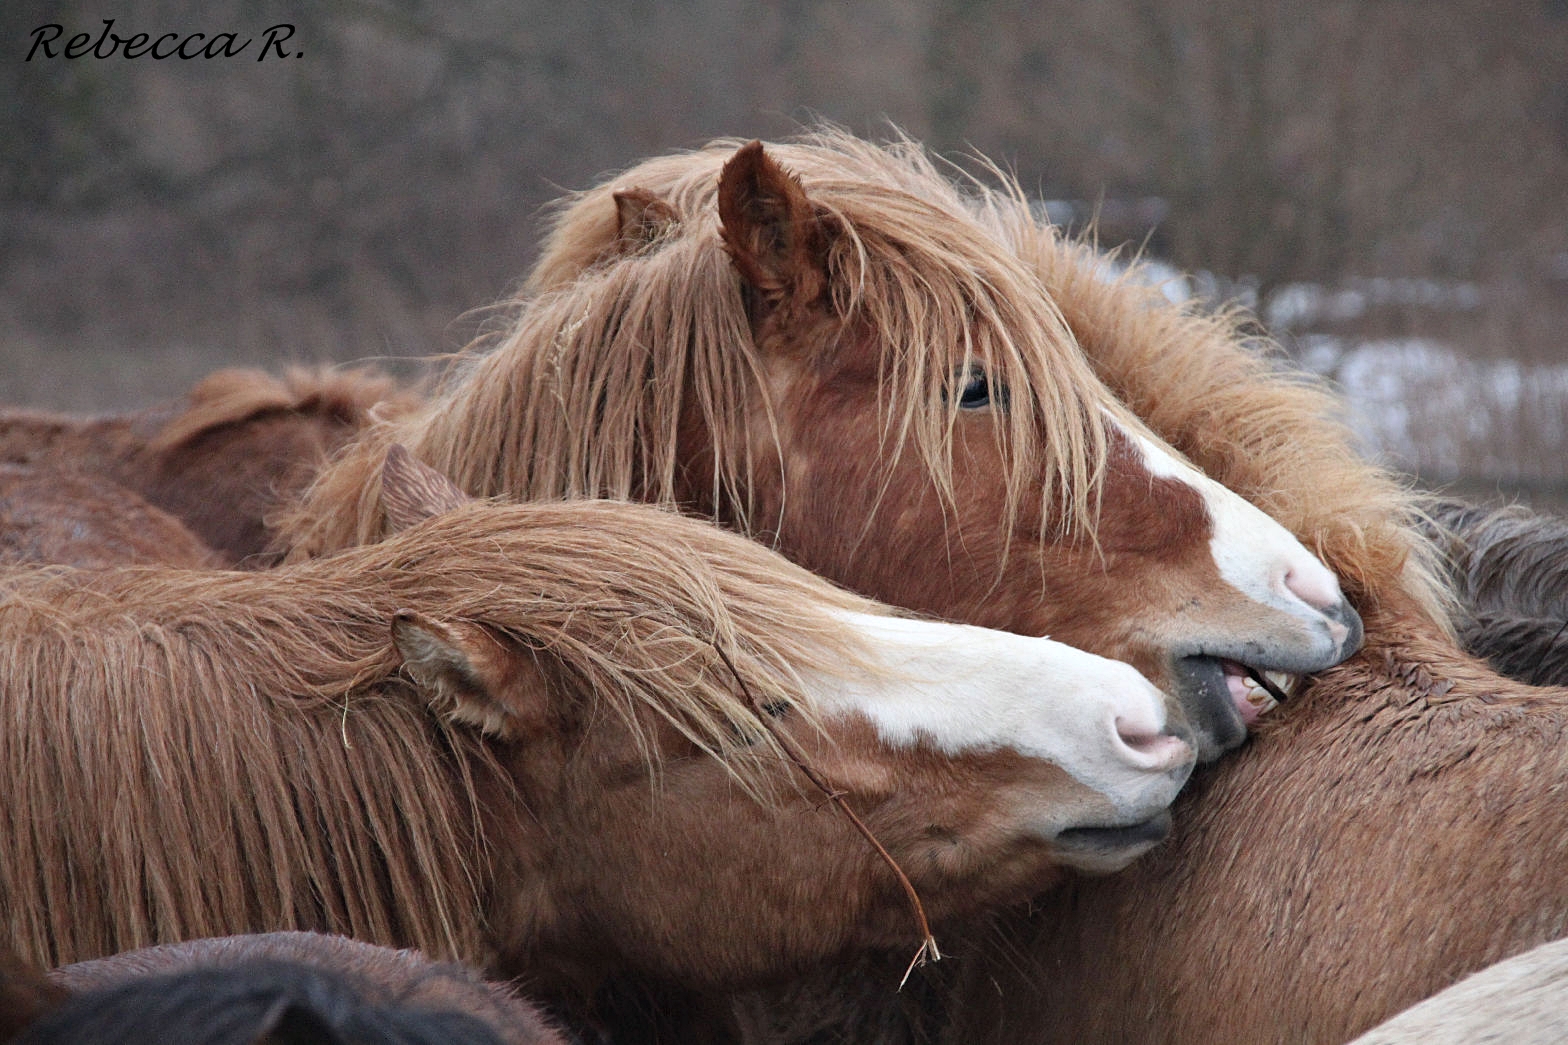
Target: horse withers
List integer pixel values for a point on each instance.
(220, 460)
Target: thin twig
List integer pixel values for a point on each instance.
(928, 948)
(1268, 685)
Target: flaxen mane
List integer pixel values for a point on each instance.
(1237, 409)
(1227, 400)
(583, 396)
(144, 701)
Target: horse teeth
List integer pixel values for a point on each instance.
(1260, 698)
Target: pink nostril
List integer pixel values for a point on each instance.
(1315, 587)
(1155, 750)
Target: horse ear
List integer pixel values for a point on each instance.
(771, 228)
(412, 491)
(641, 218)
(462, 671)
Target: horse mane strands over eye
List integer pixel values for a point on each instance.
(586, 395)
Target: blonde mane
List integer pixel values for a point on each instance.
(584, 395)
(1232, 403)
(204, 753)
(1198, 380)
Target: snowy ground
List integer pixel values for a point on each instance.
(1429, 409)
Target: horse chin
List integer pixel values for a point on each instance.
(1103, 850)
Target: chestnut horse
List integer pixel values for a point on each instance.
(280, 988)
(843, 359)
(63, 516)
(239, 444)
(1298, 902)
(559, 740)
(1400, 828)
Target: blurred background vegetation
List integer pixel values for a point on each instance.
(1384, 182)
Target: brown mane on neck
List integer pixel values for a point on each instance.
(261, 720)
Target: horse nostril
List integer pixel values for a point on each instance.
(1153, 750)
(1316, 587)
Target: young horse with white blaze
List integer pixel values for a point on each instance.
(820, 345)
(564, 741)
(1407, 806)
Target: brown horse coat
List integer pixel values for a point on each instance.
(220, 462)
(73, 519)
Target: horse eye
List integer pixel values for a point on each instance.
(978, 392)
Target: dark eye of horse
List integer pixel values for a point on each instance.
(978, 391)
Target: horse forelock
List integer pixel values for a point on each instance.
(585, 396)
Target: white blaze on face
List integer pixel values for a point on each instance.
(1254, 554)
(963, 689)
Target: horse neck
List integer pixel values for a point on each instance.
(280, 829)
(1408, 805)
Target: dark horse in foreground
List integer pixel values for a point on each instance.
(274, 988)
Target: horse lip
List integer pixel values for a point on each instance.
(1115, 839)
(1355, 632)
(1205, 699)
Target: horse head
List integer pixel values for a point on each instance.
(687, 827)
(871, 380)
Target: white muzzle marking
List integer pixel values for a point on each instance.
(964, 689)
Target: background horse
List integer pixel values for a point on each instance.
(50, 515)
(280, 988)
(241, 443)
(1522, 1001)
(1304, 865)
(1507, 566)
(842, 359)
(629, 707)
